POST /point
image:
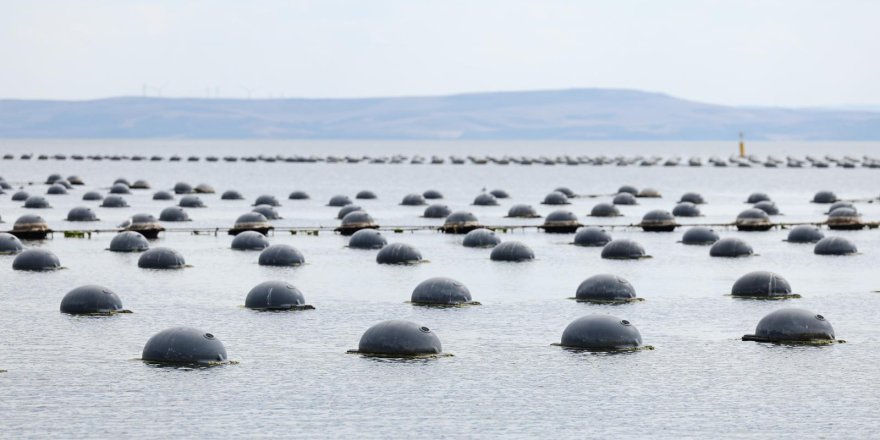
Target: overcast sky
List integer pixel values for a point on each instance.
(761, 52)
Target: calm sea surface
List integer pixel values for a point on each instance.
(74, 377)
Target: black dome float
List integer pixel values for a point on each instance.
(184, 346)
(624, 198)
(686, 209)
(191, 201)
(231, 195)
(561, 222)
(757, 197)
(762, 285)
(174, 214)
(606, 289)
(699, 235)
(267, 199)
(204, 188)
(114, 201)
(30, 227)
(92, 196)
(591, 236)
(605, 210)
(91, 300)
(602, 333)
(432, 194)
(804, 234)
(37, 202)
(367, 239)
(522, 211)
(512, 251)
(555, 198)
(845, 219)
(398, 253)
(623, 249)
(281, 255)
(81, 214)
(267, 211)
(146, 225)
(161, 258)
(767, 206)
(835, 246)
(731, 247)
(251, 221)
(413, 200)
(441, 291)
(753, 219)
(437, 210)
(298, 195)
(249, 241)
(36, 260)
(567, 191)
(793, 326)
(481, 238)
(339, 201)
(648, 193)
(499, 194)
(129, 241)
(825, 197)
(9, 244)
(485, 199)
(355, 221)
(183, 188)
(628, 189)
(399, 339)
(692, 197)
(346, 209)
(460, 222)
(365, 195)
(163, 195)
(658, 220)
(276, 296)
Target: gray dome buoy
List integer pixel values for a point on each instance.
(56, 190)
(91, 300)
(114, 201)
(605, 210)
(191, 201)
(432, 194)
(623, 249)
(601, 333)
(399, 338)
(658, 220)
(481, 238)
(441, 291)
(75, 180)
(119, 188)
(398, 253)
(266, 199)
(30, 227)
(699, 235)
(692, 197)
(522, 211)
(762, 284)
(686, 209)
(730, 247)
(793, 325)
(231, 195)
(174, 214)
(250, 241)
(804, 234)
(281, 255)
(834, 246)
(485, 199)
(346, 209)
(567, 191)
(413, 200)
(591, 236)
(161, 258)
(499, 194)
(298, 195)
(36, 260)
(648, 193)
(122, 180)
(251, 221)
(267, 211)
(624, 198)
(355, 221)
(437, 210)
(20, 196)
(844, 218)
(512, 251)
(92, 196)
(460, 222)
(183, 188)
(53, 178)
(339, 201)
(367, 239)
(163, 195)
(140, 184)
(365, 195)
(757, 197)
(824, 197)
(129, 241)
(767, 206)
(9, 244)
(81, 214)
(37, 202)
(184, 346)
(628, 189)
(275, 296)
(204, 188)
(606, 288)
(753, 219)
(146, 225)
(841, 204)
(555, 198)
(561, 222)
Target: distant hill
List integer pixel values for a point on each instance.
(562, 114)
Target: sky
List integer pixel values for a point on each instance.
(791, 53)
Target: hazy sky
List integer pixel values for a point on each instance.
(761, 52)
